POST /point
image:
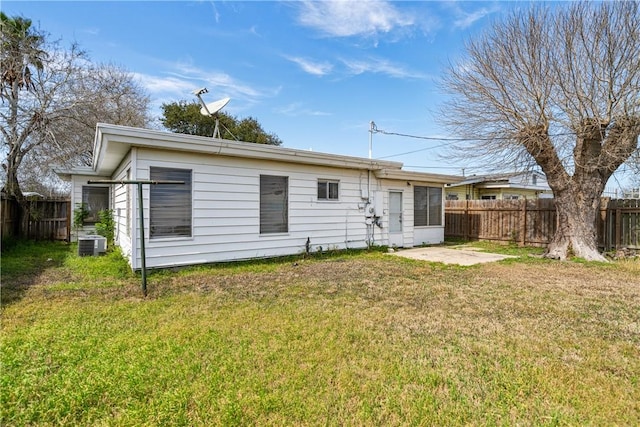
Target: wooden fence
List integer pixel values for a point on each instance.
(41, 220)
(533, 222)
(619, 225)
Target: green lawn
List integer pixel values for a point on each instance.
(341, 339)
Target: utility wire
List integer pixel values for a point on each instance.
(414, 151)
(435, 138)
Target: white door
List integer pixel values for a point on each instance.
(395, 219)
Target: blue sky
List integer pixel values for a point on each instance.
(314, 73)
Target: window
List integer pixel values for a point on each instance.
(170, 204)
(488, 197)
(427, 206)
(95, 199)
(327, 190)
(274, 201)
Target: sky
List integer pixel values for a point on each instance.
(314, 73)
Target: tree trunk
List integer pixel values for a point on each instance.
(576, 213)
(12, 185)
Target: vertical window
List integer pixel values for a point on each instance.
(170, 204)
(95, 199)
(427, 206)
(327, 190)
(274, 201)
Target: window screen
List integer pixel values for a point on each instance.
(274, 201)
(170, 204)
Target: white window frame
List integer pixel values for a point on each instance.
(179, 223)
(274, 204)
(328, 195)
(429, 216)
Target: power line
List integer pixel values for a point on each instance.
(435, 138)
(414, 151)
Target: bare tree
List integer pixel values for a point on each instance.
(560, 88)
(104, 93)
(52, 99)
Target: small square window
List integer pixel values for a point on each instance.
(328, 190)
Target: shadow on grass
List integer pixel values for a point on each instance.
(23, 262)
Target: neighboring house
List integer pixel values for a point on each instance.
(243, 200)
(504, 186)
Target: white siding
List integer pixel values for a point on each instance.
(226, 210)
(122, 208)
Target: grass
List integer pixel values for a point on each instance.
(343, 339)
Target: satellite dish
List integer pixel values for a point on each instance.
(213, 107)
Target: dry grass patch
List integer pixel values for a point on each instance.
(362, 339)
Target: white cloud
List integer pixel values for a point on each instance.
(298, 109)
(381, 66)
(217, 82)
(345, 18)
(178, 81)
(464, 19)
(315, 68)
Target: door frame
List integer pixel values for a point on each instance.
(396, 238)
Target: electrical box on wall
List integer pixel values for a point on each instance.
(369, 210)
(375, 208)
(378, 203)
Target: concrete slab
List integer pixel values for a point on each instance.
(450, 256)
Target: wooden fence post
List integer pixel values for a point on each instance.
(466, 220)
(618, 227)
(523, 222)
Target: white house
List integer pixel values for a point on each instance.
(243, 200)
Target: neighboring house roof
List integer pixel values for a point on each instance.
(415, 176)
(113, 142)
(32, 194)
(514, 180)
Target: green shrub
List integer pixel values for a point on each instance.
(106, 225)
(80, 214)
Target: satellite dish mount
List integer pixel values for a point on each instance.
(211, 109)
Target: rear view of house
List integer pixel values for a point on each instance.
(242, 200)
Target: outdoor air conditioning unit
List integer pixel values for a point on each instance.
(92, 245)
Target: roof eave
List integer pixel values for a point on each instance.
(113, 141)
(416, 176)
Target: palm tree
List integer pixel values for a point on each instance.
(20, 49)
